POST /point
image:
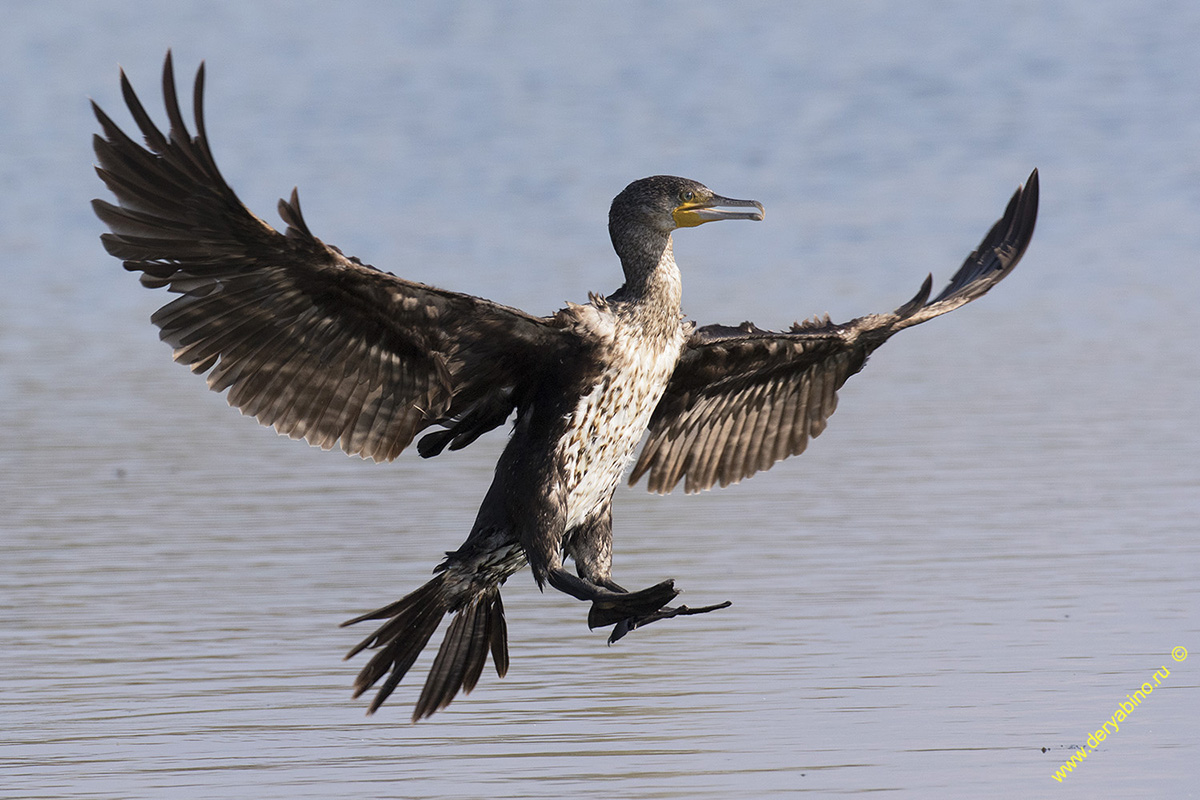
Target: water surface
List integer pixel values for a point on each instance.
(992, 545)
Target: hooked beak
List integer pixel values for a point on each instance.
(714, 208)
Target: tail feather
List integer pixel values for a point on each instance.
(400, 615)
(460, 660)
(398, 656)
(499, 638)
(401, 639)
(477, 627)
(475, 655)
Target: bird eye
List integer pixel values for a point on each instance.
(687, 195)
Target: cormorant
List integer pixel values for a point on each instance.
(323, 347)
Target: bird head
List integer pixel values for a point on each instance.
(663, 203)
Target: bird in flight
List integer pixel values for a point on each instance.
(325, 348)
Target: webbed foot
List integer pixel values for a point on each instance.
(633, 623)
(611, 607)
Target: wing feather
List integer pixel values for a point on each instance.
(787, 423)
(798, 435)
(743, 398)
(315, 344)
(751, 437)
(739, 438)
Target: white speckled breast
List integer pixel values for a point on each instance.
(608, 423)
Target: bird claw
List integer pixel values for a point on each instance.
(633, 623)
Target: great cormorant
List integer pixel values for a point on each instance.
(325, 348)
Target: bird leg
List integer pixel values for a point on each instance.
(625, 610)
(611, 605)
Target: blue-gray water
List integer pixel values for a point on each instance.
(991, 547)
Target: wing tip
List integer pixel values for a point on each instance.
(1030, 199)
(918, 300)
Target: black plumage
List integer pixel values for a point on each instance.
(742, 398)
(325, 348)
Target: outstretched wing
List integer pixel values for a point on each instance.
(318, 345)
(743, 398)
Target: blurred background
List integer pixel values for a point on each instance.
(992, 545)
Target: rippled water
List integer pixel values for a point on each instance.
(994, 543)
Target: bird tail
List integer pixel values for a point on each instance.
(477, 627)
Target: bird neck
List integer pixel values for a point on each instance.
(651, 276)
